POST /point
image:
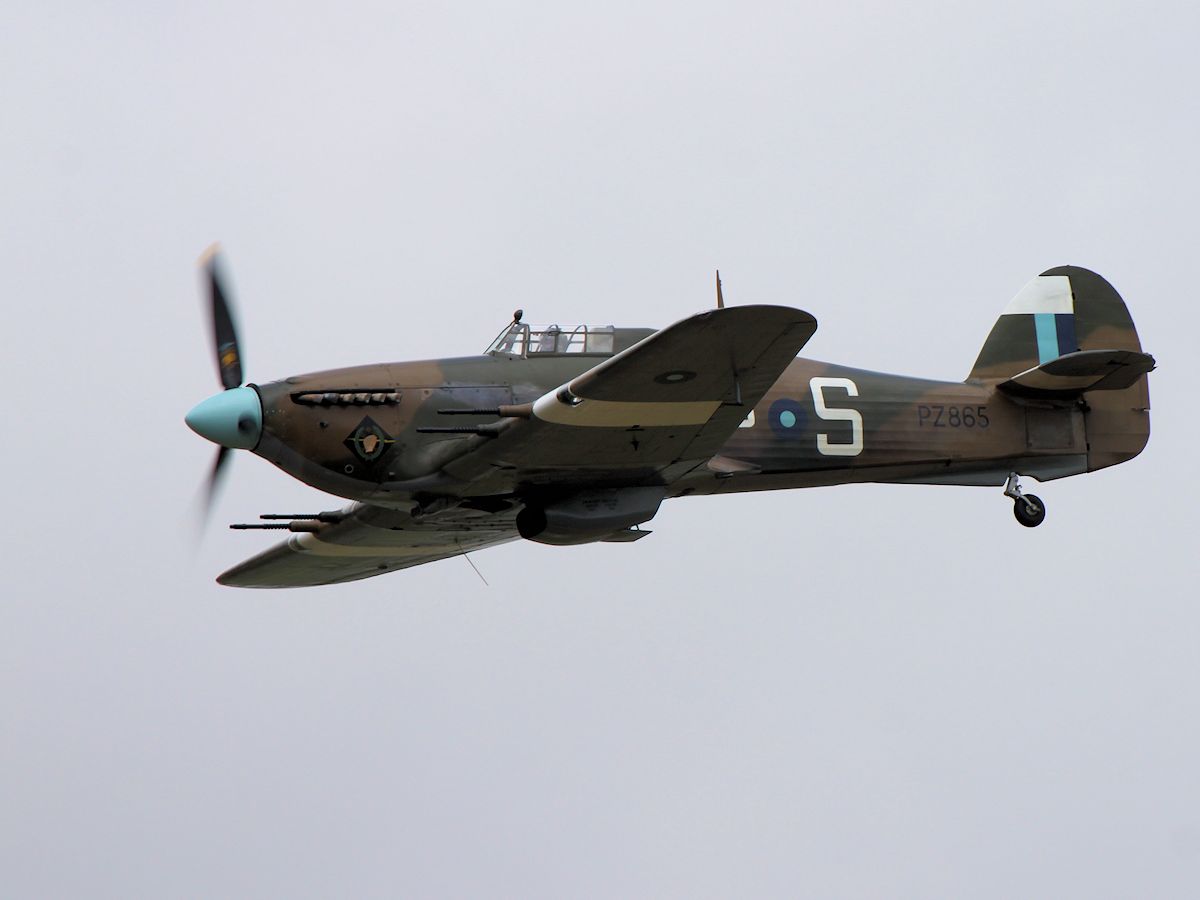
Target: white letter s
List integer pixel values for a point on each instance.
(855, 447)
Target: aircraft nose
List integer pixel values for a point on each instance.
(231, 418)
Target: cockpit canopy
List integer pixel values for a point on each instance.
(521, 339)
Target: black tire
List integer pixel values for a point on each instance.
(1028, 518)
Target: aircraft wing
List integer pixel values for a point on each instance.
(654, 411)
(368, 541)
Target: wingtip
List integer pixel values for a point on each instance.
(229, 578)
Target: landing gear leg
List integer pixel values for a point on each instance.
(1028, 508)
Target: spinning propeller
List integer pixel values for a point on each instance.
(231, 419)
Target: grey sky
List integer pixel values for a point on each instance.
(850, 692)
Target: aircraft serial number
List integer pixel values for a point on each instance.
(938, 416)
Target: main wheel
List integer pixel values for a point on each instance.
(1030, 518)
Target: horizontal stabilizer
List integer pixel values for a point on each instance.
(1072, 374)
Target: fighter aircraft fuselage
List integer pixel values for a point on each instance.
(820, 424)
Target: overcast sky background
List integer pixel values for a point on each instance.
(860, 691)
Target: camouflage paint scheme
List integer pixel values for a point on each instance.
(717, 403)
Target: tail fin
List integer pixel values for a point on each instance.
(1063, 310)
(1060, 313)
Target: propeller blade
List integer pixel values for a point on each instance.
(225, 339)
(212, 485)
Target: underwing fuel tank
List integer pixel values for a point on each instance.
(589, 516)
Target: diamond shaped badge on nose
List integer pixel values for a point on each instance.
(369, 441)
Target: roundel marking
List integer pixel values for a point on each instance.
(787, 417)
(678, 376)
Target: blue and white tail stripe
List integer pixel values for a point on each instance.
(1049, 301)
(1055, 335)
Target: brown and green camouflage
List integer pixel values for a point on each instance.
(577, 435)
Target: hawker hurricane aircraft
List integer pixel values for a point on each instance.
(572, 434)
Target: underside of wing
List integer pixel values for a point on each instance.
(656, 410)
(370, 541)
